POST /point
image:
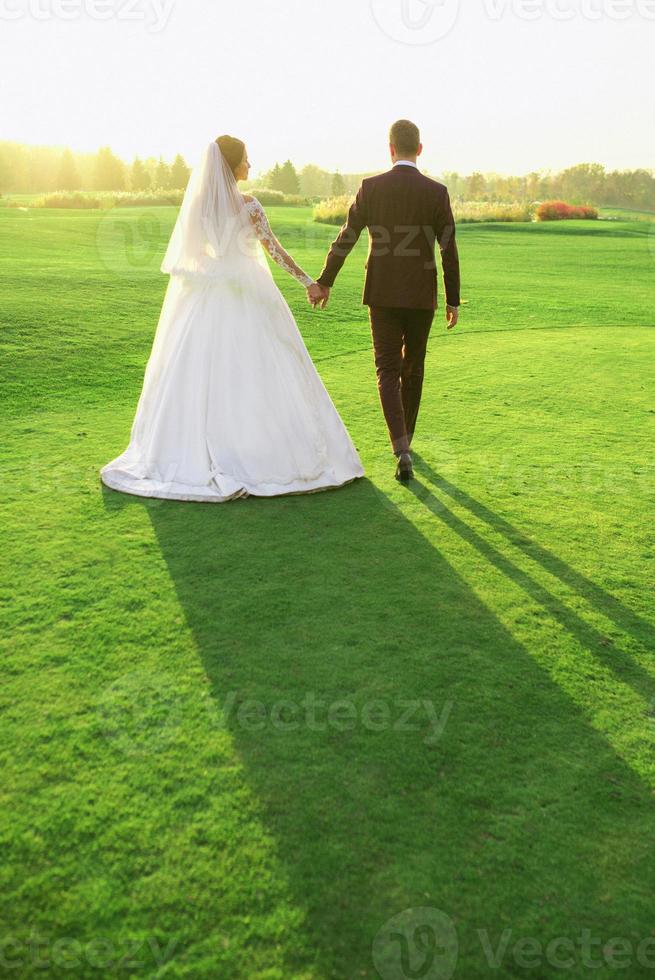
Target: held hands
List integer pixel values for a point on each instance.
(452, 316)
(318, 295)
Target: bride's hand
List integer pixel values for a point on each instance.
(315, 294)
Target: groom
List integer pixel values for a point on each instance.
(406, 214)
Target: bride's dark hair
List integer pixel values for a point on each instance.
(233, 150)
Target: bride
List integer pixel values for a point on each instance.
(232, 404)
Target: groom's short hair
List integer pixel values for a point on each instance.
(405, 136)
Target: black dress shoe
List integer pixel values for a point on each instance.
(405, 468)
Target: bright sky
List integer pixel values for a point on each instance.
(503, 85)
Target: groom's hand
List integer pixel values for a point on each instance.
(452, 316)
(318, 295)
(315, 294)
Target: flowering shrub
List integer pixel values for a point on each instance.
(561, 211)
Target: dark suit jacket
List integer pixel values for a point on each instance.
(406, 214)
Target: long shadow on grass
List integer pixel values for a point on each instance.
(519, 815)
(608, 605)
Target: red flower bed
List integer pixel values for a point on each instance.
(561, 211)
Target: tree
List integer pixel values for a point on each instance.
(139, 176)
(288, 179)
(5, 171)
(14, 168)
(338, 185)
(43, 167)
(179, 173)
(533, 186)
(274, 178)
(583, 182)
(455, 183)
(314, 182)
(476, 185)
(162, 175)
(69, 176)
(109, 171)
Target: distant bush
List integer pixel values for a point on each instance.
(296, 200)
(158, 197)
(333, 211)
(119, 199)
(470, 211)
(69, 200)
(586, 212)
(269, 198)
(149, 199)
(561, 211)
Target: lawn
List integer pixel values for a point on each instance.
(628, 214)
(373, 732)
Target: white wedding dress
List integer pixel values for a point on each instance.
(232, 404)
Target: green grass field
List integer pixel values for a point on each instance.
(628, 214)
(238, 741)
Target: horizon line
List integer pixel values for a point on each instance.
(312, 163)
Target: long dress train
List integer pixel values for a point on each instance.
(232, 404)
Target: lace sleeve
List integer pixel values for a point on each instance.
(272, 245)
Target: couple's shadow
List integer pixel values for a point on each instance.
(338, 596)
(640, 632)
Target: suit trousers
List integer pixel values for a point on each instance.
(400, 341)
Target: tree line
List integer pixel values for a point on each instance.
(311, 181)
(37, 169)
(586, 183)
